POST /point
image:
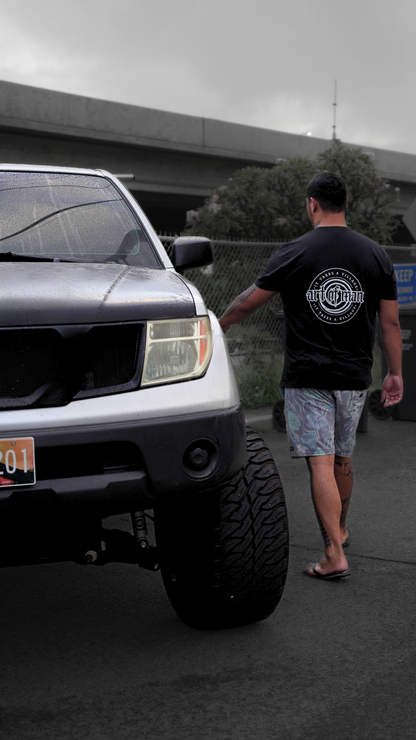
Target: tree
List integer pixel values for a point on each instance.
(263, 204)
(369, 194)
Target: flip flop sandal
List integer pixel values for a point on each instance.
(333, 576)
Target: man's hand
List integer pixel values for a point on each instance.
(392, 391)
(388, 314)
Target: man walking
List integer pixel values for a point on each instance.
(333, 282)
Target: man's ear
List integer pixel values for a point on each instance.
(313, 204)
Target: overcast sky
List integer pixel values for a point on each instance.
(269, 63)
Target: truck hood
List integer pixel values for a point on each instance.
(54, 293)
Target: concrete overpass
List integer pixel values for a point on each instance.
(177, 159)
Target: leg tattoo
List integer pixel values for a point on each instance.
(344, 481)
(325, 536)
(344, 511)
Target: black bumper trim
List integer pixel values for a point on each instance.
(161, 445)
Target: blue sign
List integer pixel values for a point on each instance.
(406, 282)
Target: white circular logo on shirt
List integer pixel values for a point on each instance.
(335, 296)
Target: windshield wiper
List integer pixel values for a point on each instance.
(16, 257)
(56, 213)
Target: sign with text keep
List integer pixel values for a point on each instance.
(406, 282)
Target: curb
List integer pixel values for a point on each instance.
(260, 419)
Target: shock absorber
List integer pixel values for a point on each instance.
(147, 556)
(140, 530)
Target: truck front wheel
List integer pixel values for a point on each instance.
(224, 554)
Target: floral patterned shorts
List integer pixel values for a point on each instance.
(322, 422)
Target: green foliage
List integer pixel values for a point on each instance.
(263, 204)
(259, 204)
(369, 194)
(259, 382)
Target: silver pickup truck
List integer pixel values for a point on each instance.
(117, 395)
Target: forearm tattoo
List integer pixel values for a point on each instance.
(239, 302)
(325, 536)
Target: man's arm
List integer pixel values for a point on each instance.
(244, 305)
(388, 313)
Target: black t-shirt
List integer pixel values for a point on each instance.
(331, 281)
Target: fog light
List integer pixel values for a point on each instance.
(201, 458)
(198, 458)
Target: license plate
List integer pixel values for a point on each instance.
(17, 461)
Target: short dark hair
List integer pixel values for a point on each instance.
(330, 191)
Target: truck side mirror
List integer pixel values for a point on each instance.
(191, 251)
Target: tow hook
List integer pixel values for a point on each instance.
(118, 546)
(90, 556)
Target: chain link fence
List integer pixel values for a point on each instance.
(256, 345)
(401, 253)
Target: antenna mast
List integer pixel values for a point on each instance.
(334, 133)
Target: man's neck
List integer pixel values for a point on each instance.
(330, 219)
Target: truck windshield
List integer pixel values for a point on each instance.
(70, 216)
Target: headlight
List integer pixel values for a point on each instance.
(176, 350)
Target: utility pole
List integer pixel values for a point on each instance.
(334, 133)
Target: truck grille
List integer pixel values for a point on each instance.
(51, 367)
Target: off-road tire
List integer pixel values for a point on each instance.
(224, 555)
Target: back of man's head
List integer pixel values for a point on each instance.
(330, 191)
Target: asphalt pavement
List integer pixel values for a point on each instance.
(98, 654)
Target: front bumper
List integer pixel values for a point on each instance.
(115, 468)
